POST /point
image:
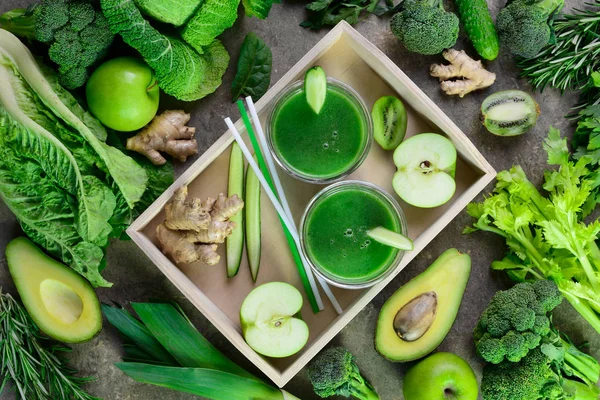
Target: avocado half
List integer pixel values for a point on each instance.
(61, 302)
(419, 315)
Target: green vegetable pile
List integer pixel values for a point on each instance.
(334, 373)
(424, 27)
(529, 358)
(77, 34)
(70, 190)
(165, 349)
(546, 236)
(30, 362)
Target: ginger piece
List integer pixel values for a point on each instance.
(469, 74)
(226, 207)
(182, 251)
(193, 227)
(167, 133)
(189, 216)
(216, 232)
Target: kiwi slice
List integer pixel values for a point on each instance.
(315, 88)
(509, 113)
(389, 122)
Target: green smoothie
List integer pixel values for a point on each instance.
(336, 234)
(324, 145)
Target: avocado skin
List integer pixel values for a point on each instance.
(447, 276)
(29, 267)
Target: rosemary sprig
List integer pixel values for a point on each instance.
(568, 63)
(30, 362)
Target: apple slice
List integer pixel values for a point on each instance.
(269, 323)
(390, 238)
(426, 165)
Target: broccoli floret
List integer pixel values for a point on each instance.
(334, 373)
(423, 26)
(515, 321)
(79, 35)
(81, 15)
(524, 25)
(50, 16)
(534, 377)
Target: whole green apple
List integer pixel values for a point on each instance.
(123, 94)
(441, 376)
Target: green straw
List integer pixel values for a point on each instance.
(288, 236)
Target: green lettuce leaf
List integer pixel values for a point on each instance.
(47, 214)
(27, 139)
(217, 61)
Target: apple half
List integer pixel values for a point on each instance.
(426, 165)
(270, 323)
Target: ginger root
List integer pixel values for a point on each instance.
(167, 133)
(468, 74)
(183, 215)
(193, 228)
(182, 250)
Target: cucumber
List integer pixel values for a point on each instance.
(479, 26)
(390, 238)
(235, 242)
(253, 238)
(315, 88)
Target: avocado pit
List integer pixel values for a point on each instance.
(415, 318)
(61, 301)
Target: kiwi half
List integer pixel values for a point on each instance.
(389, 122)
(509, 113)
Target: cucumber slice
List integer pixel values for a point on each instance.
(235, 242)
(253, 239)
(315, 88)
(390, 238)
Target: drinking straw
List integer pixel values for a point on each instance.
(305, 272)
(281, 193)
(315, 301)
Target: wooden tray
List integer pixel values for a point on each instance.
(349, 57)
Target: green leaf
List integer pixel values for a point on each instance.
(137, 333)
(556, 147)
(182, 340)
(253, 74)
(178, 67)
(209, 383)
(257, 8)
(595, 76)
(212, 19)
(217, 60)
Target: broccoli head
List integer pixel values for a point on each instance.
(334, 373)
(515, 321)
(78, 35)
(539, 376)
(524, 25)
(424, 27)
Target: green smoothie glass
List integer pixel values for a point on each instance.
(319, 148)
(333, 234)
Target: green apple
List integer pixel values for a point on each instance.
(269, 322)
(441, 376)
(123, 94)
(426, 164)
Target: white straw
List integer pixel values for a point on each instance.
(289, 225)
(271, 164)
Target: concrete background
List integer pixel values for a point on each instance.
(137, 279)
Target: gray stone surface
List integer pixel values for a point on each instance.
(137, 279)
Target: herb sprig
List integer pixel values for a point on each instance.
(567, 63)
(30, 362)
